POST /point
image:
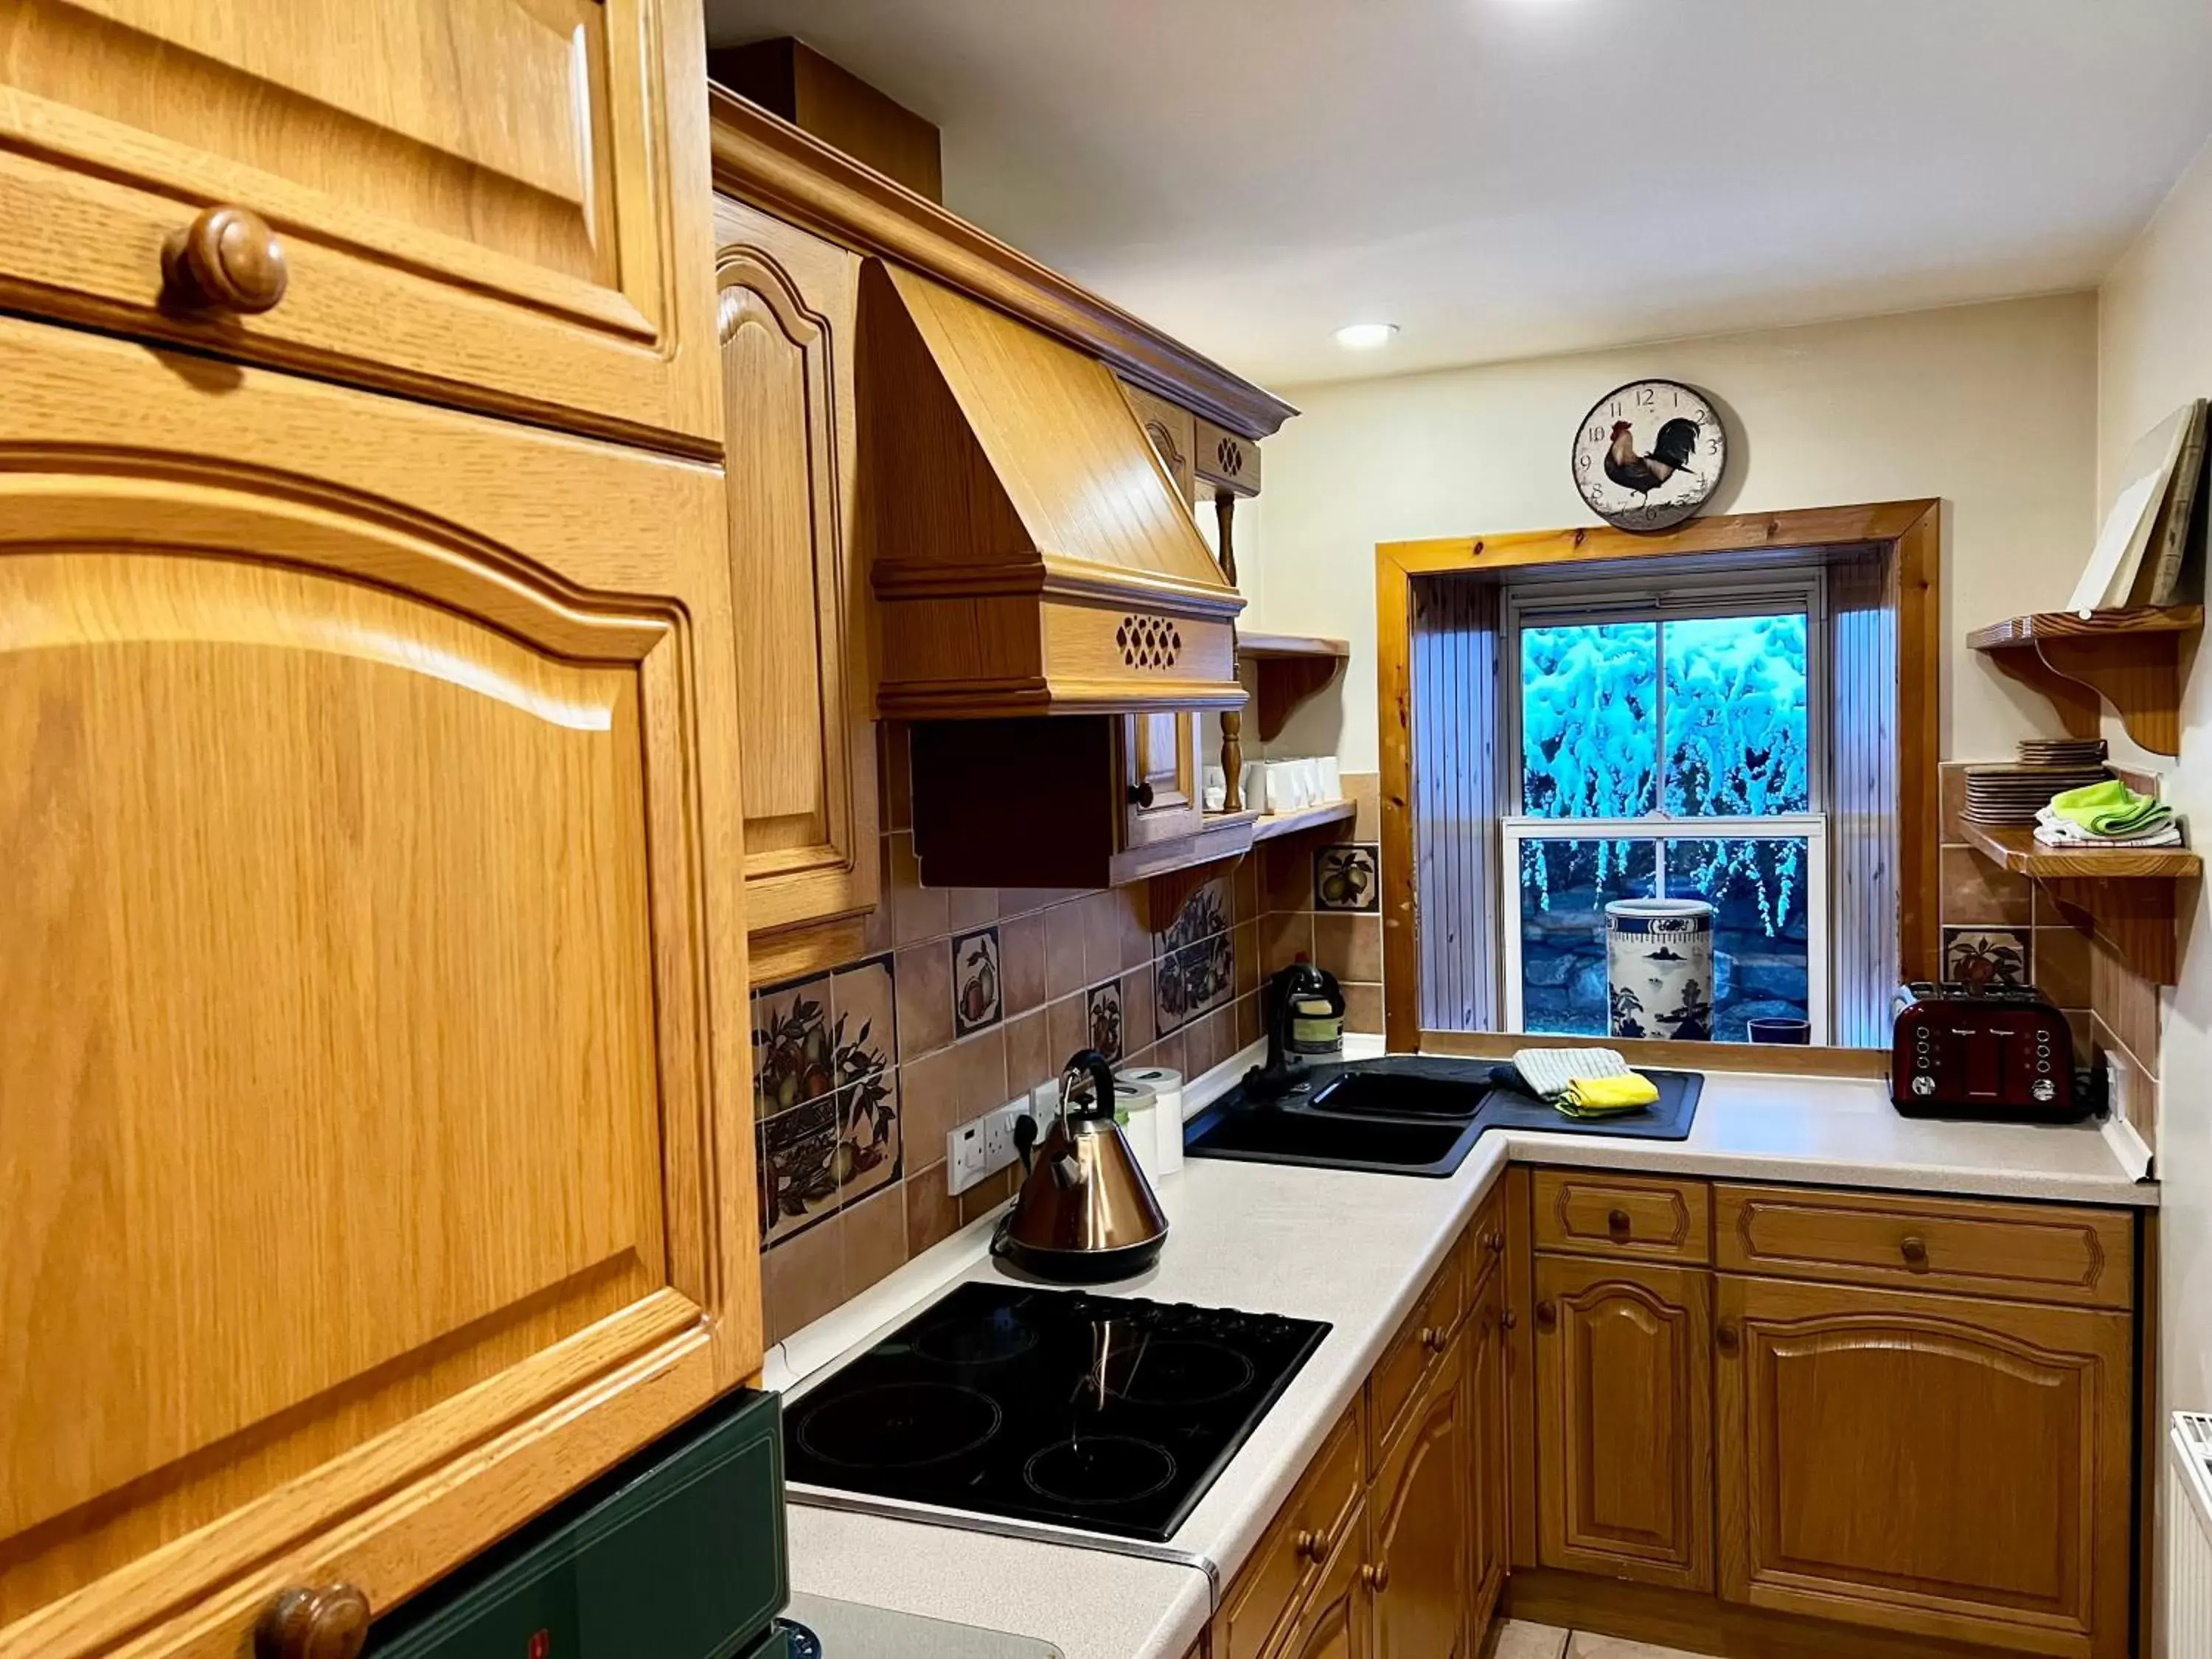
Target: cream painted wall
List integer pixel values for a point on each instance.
(1992, 407)
(2155, 351)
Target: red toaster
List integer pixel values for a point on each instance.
(2003, 1053)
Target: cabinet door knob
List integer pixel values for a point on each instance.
(1547, 1315)
(1494, 1242)
(1616, 1223)
(1377, 1576)
(1915, 1251)
(1507, 1319)
(227, 259)
(1140, 796)
(1311, 1545)
(1727, 1338)
(1432, 1339)
(329, 1622)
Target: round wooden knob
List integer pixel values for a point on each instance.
(1727, 1338)
(1377, 1576)
(1311, 1545)
(227, 259)
(1616, 1223)
(1915, 1252)
(1507, 1319)
(1547, 1316)
(1432, 1339)
(1494, 1242)
(329, 1622)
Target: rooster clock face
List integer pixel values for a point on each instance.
(1649, 455)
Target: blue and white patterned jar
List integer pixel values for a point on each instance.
(1659, 968)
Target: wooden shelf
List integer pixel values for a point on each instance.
(1290, 668)
(2130, 659)
(2122, 894)
(1272, 824)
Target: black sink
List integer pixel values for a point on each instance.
(1387, 1093)
(1404, 1114)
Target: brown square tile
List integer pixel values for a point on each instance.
(894, 755)
(1284, 934)
(1140, 1025)
(979, 1070)
(1136, 930)
(989, 1194)
(1063, 949)
(2083, 1024)
(1067, 1030)
(2061, 966)
(1364, 791)
(1363, 1009)
(1248, 1029)
(929, 1089)
(1211, 1040)
(1976, 892)
(2126, 1002)
(1024, 939)
(1350, 947)
(1244, 890)
(875, 1238)
(923, 974)
(802, 1279)
(917, 912)
(969, 907)
(1951, 796)
(978, 980)
(932, 1214)
(1028, 1054)
(1102, 934)
(1247, 957)
(1169, 1052)
(1286, 874)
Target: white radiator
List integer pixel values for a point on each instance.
(2189, 1536)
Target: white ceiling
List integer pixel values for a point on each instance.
(1511, 178)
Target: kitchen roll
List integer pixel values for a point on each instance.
(1167, 1118)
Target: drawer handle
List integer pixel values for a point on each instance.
(1433, 1340)
(1312, 1546)
(1547, 1316)
(227, 259)
(330, 1622)
(1727, 1339)
(1915, 1251)
(1616, 1224)
(1377, 1576)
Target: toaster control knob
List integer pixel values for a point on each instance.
(1920, 1033)
(1924, 1085)
(2044, 1090)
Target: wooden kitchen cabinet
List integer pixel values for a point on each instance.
(806, 748)
(489, 202)
(1949, 1468)
(1160, 760)
(1487, 1455)
(378, 1144)
(1339, 1619)
(1420, 1524)
(1624, 1420)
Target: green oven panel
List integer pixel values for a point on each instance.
(677, 1554)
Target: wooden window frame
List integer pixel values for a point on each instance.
(1908, 533)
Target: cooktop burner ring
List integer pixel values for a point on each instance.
(989, 1339)
(902, 1425)
(1180, 1371)
(1092, 1470)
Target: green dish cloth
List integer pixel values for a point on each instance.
(2110, 808)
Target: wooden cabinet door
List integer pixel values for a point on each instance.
(377, 1145)
(498, 202)
(1338, 1619)
(1160, 763)
(1950, 1467)
(1624, 1420)
(1487, 1434)
(1418, 1514)
(784, 321)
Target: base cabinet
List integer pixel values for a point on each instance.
(1943, 1467)
(1487, 1470)
(1420, 1523)
(1624, 1420)
(1338, 1619)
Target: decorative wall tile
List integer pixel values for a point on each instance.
(798, 1168)
(1988, 956)
(869, 1139)
(1348, 876)
(978, 989)
(1204, 914)
(1106, 1025)
(864, 1001)
(793, 1057)
(1194, 981)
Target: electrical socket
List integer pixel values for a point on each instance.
(982, 1146)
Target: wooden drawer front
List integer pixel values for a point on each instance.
(1393, 1386)
(505, 200)
(1622, 1215)
(1267, 1595)
(1485, 1241)
(2034, 1253)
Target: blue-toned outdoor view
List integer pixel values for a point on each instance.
(1732, 711)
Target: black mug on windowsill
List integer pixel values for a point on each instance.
(1777, 1030)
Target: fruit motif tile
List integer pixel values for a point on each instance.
(792, 1063)
(798, 1151)
(826, 1094)
(1204, 914)
(1348, 876)
(1103, 1006)
(978, 989)
(1194, 981)
(1983, 957)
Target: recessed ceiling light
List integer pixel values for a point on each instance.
(1365, 337)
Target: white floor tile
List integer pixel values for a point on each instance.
(1516, 1638)
(1586, 1646)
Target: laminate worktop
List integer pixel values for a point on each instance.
(1356, 1249)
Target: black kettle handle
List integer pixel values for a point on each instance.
(1101, 1080)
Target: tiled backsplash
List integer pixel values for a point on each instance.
(1998, 925)
(967, 997)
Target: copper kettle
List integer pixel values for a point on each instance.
(1085, 1213)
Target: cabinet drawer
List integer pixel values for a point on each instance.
(1267, 1595)
(499, 202)
(2030, 1252)
(1620, 1215)
(1486, 1241)
(1393, 1386)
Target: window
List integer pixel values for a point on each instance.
(1667, 745)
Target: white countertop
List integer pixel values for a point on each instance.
(1353, 1249)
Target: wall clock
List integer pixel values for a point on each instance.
(1650, 454)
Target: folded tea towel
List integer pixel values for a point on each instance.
(1606, 1096)
(2051, 831)
(1547, 1071)
(2110, 808)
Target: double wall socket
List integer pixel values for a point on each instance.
(982, 1146)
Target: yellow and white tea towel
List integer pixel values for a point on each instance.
(1584, 1082)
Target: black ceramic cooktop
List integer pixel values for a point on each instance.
(1109, 1414)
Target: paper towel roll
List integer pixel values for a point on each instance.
(1167, 1118)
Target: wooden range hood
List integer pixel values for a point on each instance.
(1029, 554)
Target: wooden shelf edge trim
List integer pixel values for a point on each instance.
(1270, 647)
(1270, 825)
(2016, 632)
(2017, 850)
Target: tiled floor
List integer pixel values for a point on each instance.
(1513, 1640)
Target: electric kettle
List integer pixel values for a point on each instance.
(1085, 1213)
